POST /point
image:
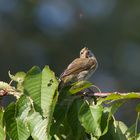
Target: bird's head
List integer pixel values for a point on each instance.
(86, 53)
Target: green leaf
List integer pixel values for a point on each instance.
(95, 119)
(63, 133)
(50, 116)
(37, 126)
(77, 131)
(116, 131)
(120, 126)
(2, 134)
(138, 108)
(41, 87)
(59, 116)
(15, 117)
(106, 116)
(1, 116)
(130, 131)
(137, 138)
(117, 96)
(18, 77)
(93, 138)
(60, 127)
(115, 106)
(79, 86)
(90, 118)
(23, 106)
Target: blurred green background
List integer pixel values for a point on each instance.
(40, 32)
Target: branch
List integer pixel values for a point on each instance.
(7, 89)
(104, 94)
(91, 93)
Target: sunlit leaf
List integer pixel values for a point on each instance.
(130, 132)
(79, 86)
(90, 118)
(42, 87)
(93, 138)
(18, 77)
(23, 106)
(137, 137)
(2, 133)
(15, 117)
(37, 126)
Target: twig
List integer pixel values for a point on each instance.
(104, 94)
(3, 93)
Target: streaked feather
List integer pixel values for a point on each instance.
(79, 65)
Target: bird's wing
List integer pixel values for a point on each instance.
(78, 65)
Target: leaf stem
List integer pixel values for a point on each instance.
(136, 128)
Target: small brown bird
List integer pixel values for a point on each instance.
(80, 69)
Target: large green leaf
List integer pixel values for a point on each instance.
(60, 127)
(37, 126)
(90, 118)
(15, 117)
(41, 87)
(95, 119)
(59, 117)
(77, 131)
(2, 134)
(117, 130)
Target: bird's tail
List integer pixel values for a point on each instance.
(61, 85)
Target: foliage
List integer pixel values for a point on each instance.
(41, 113)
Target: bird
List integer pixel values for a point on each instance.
(79, 69)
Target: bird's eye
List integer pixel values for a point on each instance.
(81, 52)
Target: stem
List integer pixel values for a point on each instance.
(104, 94)
(136, 128)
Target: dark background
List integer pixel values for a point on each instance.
(41, 32)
